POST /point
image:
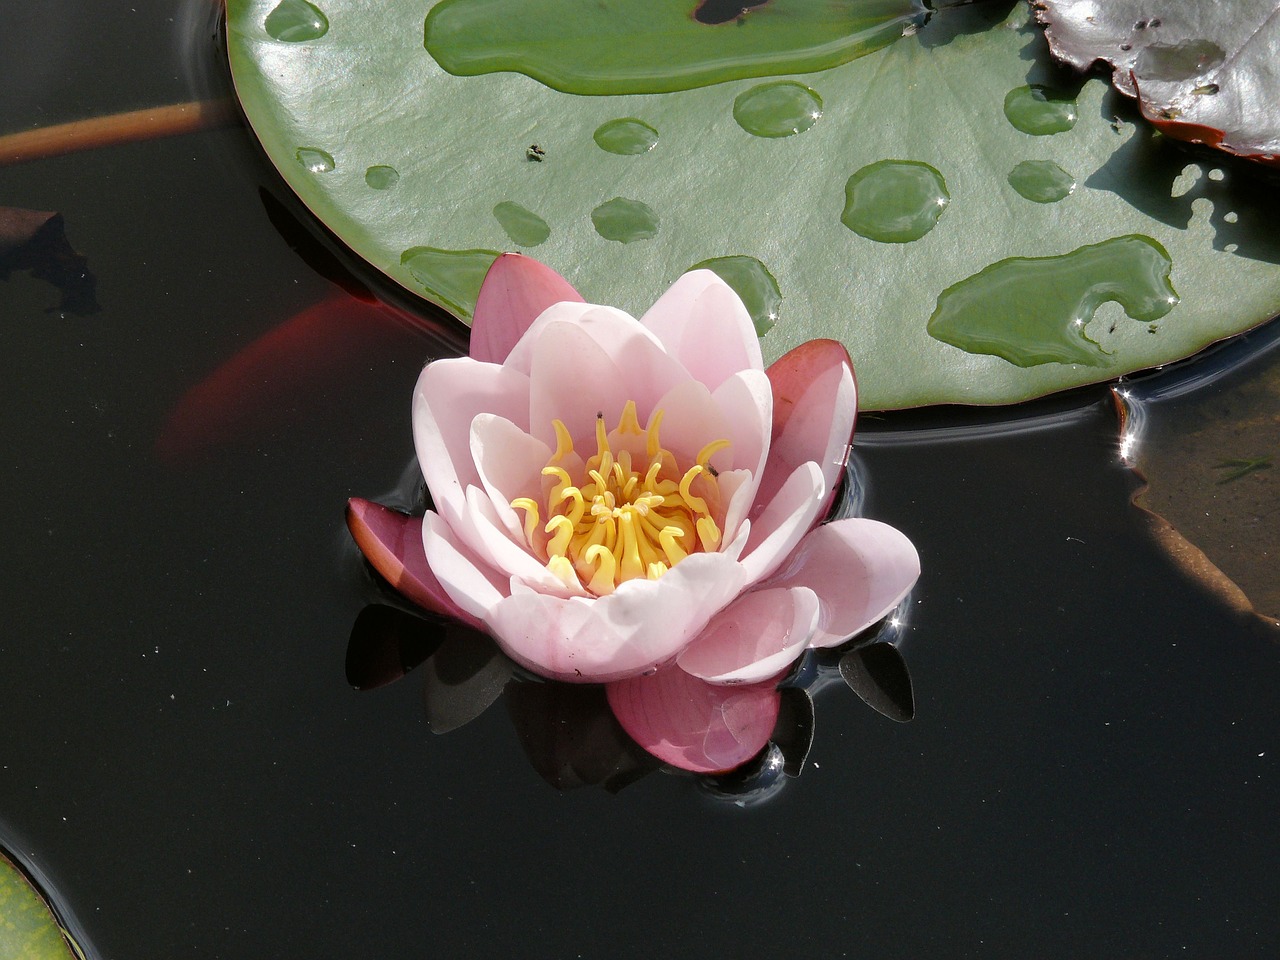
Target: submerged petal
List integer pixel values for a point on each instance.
(514, 292)
(695, 725)
(860, 569)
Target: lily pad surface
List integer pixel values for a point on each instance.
(28, 928)
(488, 158)
(1204, 72)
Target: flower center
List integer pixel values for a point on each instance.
(632, 512)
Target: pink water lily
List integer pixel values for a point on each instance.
(640, 503)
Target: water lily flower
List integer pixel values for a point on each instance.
(640, 503)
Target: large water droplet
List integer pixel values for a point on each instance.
(754, 285)
(523, 226)
(625, 220)
(1034, 310)
(626, 136)
(315, 159)
(1039, 110)
(894, 201)
(296, 21)
(450, 278)
(381, 177)
(1041, 181)
(779, 109)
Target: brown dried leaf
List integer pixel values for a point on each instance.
(1202, 72)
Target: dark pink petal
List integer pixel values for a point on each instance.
(695, 725)
(515, 290)
(392, 542)
(815, 403)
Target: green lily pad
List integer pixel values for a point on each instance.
(367, 93)
(28, 928)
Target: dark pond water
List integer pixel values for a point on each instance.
(1092, 770)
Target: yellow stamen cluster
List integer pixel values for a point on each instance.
(630, 514)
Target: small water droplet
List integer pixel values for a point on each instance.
(780, 109)
(522, 225)
(1033, 310)
(381, 177)
(315, 159)
(1041, 181)
(894, 201)
(296, 21)
(1039, 111)
(626, 136)
(625, 221)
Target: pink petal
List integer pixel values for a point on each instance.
(514, 292)
(695, 725)
(638, 627)
(704, 325)
(784, 522)
(392, 543)
(481, 529)
(815, 402)
(510, 464)
(746, 399)
(448, 396)
(573, 380)
(756, 637)
(470, 583)
(860, 569)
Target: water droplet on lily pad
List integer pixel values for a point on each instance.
(1041, 181)
(381, 177)
(315, 159)
(1033, 310)
(625, 220)
(780, 109)
(894, 201)
(296, 21)
(626, 136)
(1039, 111)
(523, 226)
(754, 285)
(450, 278)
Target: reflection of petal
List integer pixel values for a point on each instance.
(387, 643)
(814, 404)
(860, 569)
(392, 543)
(462, 678)
(878, 674)
(572, 738)
(515, 290)
(753, 638)
(694, 725)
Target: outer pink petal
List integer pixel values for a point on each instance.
(694, 725)
(860, 569)
(704, 325)
(639, 627)
(756, 637)
(469, 582)
(449, 395)
(815, 401)
(514, 292)
(392, 542)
